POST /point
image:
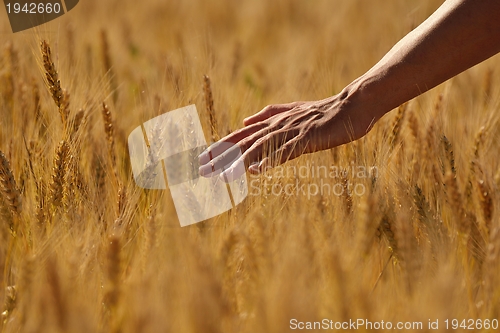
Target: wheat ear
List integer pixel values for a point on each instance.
(386, 227)
(478, 143)
(209, 103)
(450, 156)
(497, 177)
(396, 125)
(59, 95)
(493, 255)
(8, 187)
(59, 172)
(51, 74)
(415, 132)
(456, 203)
(121, 206)
(484, 193)
(109, 130)
(78, 121)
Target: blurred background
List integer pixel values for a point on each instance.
(83, 249)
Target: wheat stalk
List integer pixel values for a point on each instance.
(346, 194)
(36, 101)
(10, 302)
(12, 57)
(78, 121)
(8, 187)
(108, 67)
(40, 196)
(478, 143)
(485, 197)
(11, 71)
(113, 272)
(70, 38)
(149, 236)
(236, 61)
(496, 178)
(58, 295)
(64, 109)
(51, 74)
(121, 205)
(386, 228)
(108, 127)
(430, 137)
(60, 170)
(59, 95)
(209, 103)
(488, 78)
(109, 130)
(407, 247)
(455, 200)
(106, 59)
(396, 125)
(449, 154)
(492, 258)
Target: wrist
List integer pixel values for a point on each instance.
(364, 95)
(358, 107)
(377, 92)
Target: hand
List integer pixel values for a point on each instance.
(283, 132)
(460, 34)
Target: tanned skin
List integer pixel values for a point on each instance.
(457, 36)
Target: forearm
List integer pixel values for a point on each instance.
(459, 35)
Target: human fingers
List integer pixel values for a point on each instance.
(222, 145)
(289, 151)
(254, 154)
(222, 154)
(270, 111)
(222, 161)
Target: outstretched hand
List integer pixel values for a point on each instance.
(283, 132)
(460, 34)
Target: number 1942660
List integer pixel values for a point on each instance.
(33, 8)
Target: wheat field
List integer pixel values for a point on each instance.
(84, 249)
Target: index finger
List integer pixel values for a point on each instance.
(219, 147)
(270, 111)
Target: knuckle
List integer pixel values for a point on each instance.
(269, 108)
(243, 144)
(262, 140)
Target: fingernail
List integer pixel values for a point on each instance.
(262, 165)
(205, 170)
(234, 172)
(204, 158)
(227, 175)
(254, 168)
